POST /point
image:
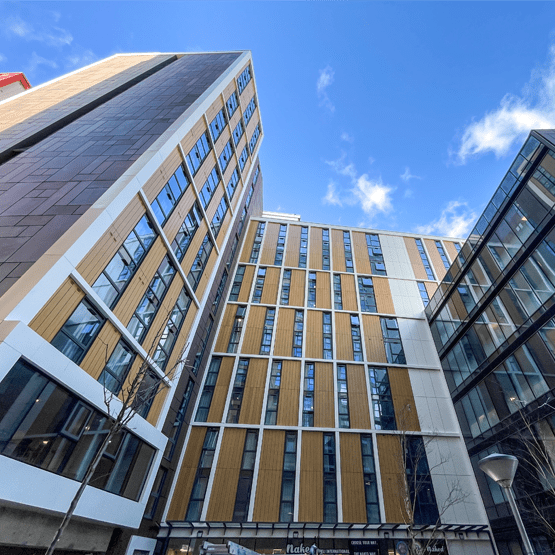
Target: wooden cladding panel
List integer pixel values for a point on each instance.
(288, 407)
(435, 259)
(352, 478)
(193, 135)
(271, 285)
(162, 175)
(134, 292)
(384, 300)
(214, 108)
(98, 257)
(97, 356)
(403, 399)
(338, 250)
(314, 335)
(215, 202)
(223, 230)
(268, 487)
(251, 406)
(226, 478)
(360, 251)
(187, 473)
(315, 255)
(183, 336)
(194, 247)
(293, 246)
(359, 412)
(349, 292)
(225, 330)
(179, 214)
(246, 284)
(253, 330)
(296, 290)
(268, 251)
(323, 290)
(373, 338)
(221, 388)
(431, 288)
(203, 283)
(54, 314)
(324, 416)
(284, 333)
(415, 260)
(157, 404)
(249, 240)
(451, 250)
(343, 336)
(393, 478)
(311, 491)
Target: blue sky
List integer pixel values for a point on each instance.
(401, 116)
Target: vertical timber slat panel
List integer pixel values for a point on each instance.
(311, 491)
(284, 333)
(373, 338)
(384, 300)
(271, 284)
(403, 399)
(359, 412)
(323, 290)
(315, 257)
(97, 356)
(251, 406)
(296, 291)
(269, 246)
(246, 284)
(293, 246)
(288, 406)
(393, 479)
(451, 250)
(221, 388)
(349, 292)
(253, 330)
(226, 328)
(314, 335)
(324, 416)
(249, 240)
(352, 478)
(435, 259)
(360, 250)
(343, 336)
(415, 260)
(338, 250)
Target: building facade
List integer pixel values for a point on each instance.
(492, 322)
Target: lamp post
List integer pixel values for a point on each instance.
(501, 469)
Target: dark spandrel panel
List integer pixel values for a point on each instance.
(59, 178)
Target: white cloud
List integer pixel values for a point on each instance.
(371, 160)
(325, 79)
(516, 115)
(456, 220)
(81, 58)
(407, 175)
(347, 138)
(49, 34)
(37, 61)
(340, 167)
(3, 58)
(373, 195)
(409, 193)
(331, 195)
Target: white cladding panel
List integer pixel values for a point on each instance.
(396, 257)
(406, 298)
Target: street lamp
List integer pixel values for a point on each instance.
(501, 469)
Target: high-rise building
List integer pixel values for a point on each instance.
(300, 402)
(492, 322)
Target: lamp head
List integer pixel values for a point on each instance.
(500, 468)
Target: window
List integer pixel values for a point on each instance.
(217, 125)
(356, 337)
(423, 293)
(311, 289)
(442, 254)
(200, 353)
(233, 182)
(173, 435)
(298, 334)
(46, 426)
(382, 402)
(375, 254)
(79, 332)
(146, 393)
(117, 367)
(244, 79)
(287, 497)
(243, 158)
(308, 395)
(366, 294)
(249, 196)
(342, 396)
(122, 267)
(208, 390)
(209, 187)
(198, 153)
(280, 245)
(256, 174)
(424, 258)
(242, 221)
(244, 485)
(249, 110)
(285, 287)
(231, 104)
(268, 331)
(236, 287)
(257, 242)
(152, 300)
(155, 494)
(303, 247)
(226, 155)
(370, 482)
(169, 196)
(325, 249)
(186, 232)
(200, 262)
(238, 132)
(330, 479)
(327, 335)
(237, 392)
(258, 285)
(254, 138)
(198, 493)
(237, 329)
(348, 251)
(219, 216)
(219, 292)
(273, 394)
(392, 341)
(337, 297)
